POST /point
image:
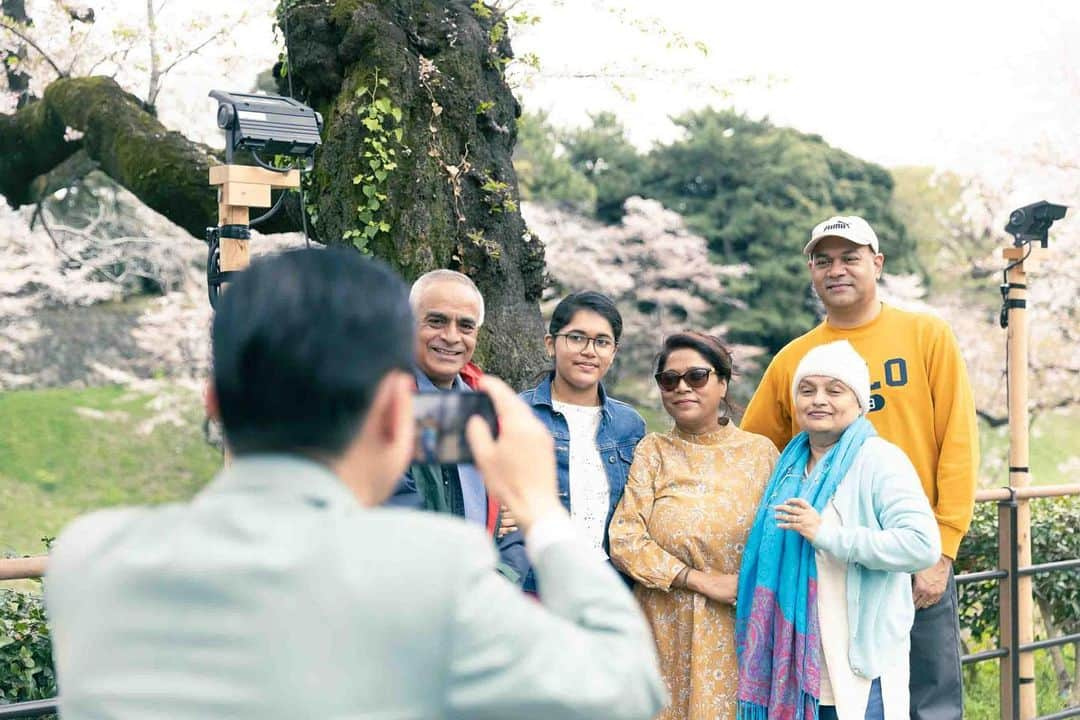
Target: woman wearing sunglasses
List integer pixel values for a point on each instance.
(595, 434)
(682, 522)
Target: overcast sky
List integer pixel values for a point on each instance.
(953, 83)
(945, 83)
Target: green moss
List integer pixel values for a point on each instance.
(343, 10)
(162, 168)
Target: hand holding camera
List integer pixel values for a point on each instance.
(519, 466)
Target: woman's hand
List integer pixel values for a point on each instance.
(721, 588)
(798, 515)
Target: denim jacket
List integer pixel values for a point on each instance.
(621, 427)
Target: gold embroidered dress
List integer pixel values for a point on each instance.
(690, 500)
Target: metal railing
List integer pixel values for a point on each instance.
(31, 709)
(1008, 574)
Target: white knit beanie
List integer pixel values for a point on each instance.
(837, 360)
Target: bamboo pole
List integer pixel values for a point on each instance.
(1037, 491)
(23, 568)
(1019, 472)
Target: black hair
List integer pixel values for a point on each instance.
(590, 300)
(709, 347)
(301, 340)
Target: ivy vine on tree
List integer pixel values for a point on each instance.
(382, 121)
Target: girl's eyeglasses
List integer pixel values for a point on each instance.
(577, 342)
(695, 377)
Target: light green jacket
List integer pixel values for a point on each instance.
(275, 594)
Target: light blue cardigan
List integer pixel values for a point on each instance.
(887, 531)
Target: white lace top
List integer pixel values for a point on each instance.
(589, 490)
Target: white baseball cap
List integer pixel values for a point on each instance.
(849, 227)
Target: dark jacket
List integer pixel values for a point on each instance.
(422, 488)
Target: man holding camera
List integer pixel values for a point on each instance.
(921, 401)
(283, 590)
(449, 311)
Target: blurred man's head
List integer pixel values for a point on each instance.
(311, 357)
(449, 311)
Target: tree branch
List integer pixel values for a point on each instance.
(1064, 402)
(992, 420)
(75, 55)
(29, 41)
(193, 51)
(1064, 680)
(39, 213)
(164, 169)
(1035, 410)
(155, 60)
(1051, 367)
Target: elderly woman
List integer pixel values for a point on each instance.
(680, 526)
(824, 603)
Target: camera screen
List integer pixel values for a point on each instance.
(440, 425)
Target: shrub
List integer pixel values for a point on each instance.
(26, 668)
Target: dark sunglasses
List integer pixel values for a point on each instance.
(695, 378)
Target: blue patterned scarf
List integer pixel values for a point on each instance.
(776, 623)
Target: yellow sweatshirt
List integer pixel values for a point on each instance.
(920, 400)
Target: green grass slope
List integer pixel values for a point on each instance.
(64, 452)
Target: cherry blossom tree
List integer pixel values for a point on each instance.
(658, 273)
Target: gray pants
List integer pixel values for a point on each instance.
(937, 691)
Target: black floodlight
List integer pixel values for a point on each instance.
(1031, 223)
(270, 124)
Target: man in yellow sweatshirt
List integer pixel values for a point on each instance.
(922, 401)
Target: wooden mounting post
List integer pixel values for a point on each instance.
(1019, 471)
(241, 187)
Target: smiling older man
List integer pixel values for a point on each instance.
(449, 311)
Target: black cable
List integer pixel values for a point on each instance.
(271, 212)
(1014, 263)
(303, 214)
(267, 166)
(1005, 286)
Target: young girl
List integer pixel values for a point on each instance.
(595, 435)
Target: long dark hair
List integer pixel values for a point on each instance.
(714, 352)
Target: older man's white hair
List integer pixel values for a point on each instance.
(429, 278)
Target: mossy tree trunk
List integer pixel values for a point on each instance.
(417, 88)
(421, 78)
